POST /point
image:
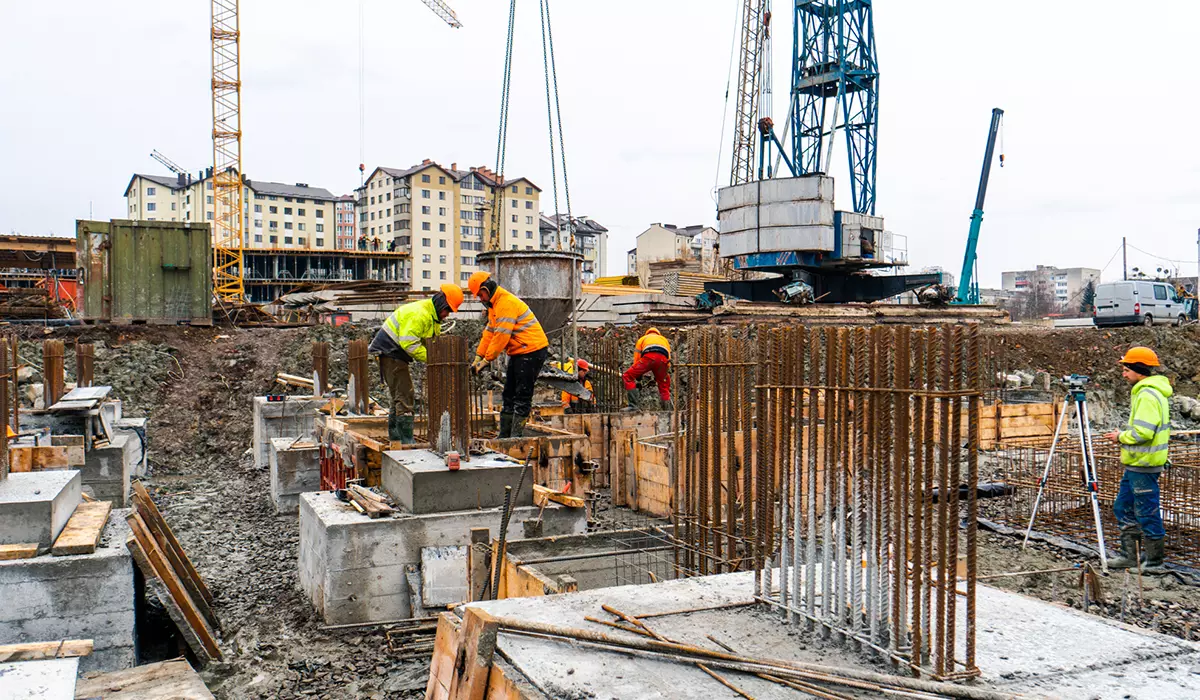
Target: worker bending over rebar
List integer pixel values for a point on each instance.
(652, 354)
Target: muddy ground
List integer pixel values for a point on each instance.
(195, 387)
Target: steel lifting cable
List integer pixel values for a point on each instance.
(562, 149)
(543, 13)
(502, 138)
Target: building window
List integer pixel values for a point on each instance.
(320, 213)
(300, 226)
(258, 238)
(209, 198)
(259, 196)
(405, 209)
(425, 226)
(514, 216)
(424, 178)
(320, 229)
(442, 180)
(273, 225)
(272, 198)
(273, 210)
(442, 275)
(442, 228)
(302, 241)
(528, 204)
(389, 196)
(209, 184)
(257, 208)
(424, 209)
(424, 194)
(287, 240)
(441, 211)
(425, 258)
(150, 206)
(287, 199)
(514, 246)
(465, 230)
(514, 204)
(426, 242)
(150, 191)
(209, 217)
(441, 242)
(514, 233)
(529, 190)
(528, 247)
(299, 212)
(320, 242)
(388, 212)
(389, 228)
(287, 225)
(424, 274)
(514, 190)
(528, 234)
(467, 260)
(464, 276)
(274, 239)
(529, 220)
(372, 230)
(258, 223)
(441, 259)
(287, 211)
(372, 199)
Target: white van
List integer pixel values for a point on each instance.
(1138, 302)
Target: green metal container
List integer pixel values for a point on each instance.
(145, 271)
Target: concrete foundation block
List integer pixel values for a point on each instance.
(35, 506)
(352, 568)
(281, 419)
(135, 428)
(84, 596)
(107, 470)
(421, 483)
(295, 469)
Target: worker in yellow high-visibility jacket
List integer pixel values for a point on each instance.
(400, 342)
(512, 329)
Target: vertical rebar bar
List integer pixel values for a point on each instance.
(52, 372)
(359, 392)
(85, 354)
(320, 366)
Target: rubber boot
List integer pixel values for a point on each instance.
(630, 401)
(1129, 551)
(1153, 563)
(506, 424)
(666, 404)
(394, 428)
(405, 429)
(518, 426)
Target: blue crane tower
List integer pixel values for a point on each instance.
(790, 227)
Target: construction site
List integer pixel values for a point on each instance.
(772, 465)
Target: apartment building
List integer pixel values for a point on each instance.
(343, 216)
(1064, 284)
(439, 216)
(156, 197)
(591, 241)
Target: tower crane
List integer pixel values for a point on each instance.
(228, 168)
(170, 164)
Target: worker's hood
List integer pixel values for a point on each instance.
(1158, 382)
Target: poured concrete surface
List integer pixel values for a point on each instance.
(295, 469)
(292, 418)
(1024, 646)
(352, 568)
(107, 470)
(421, 483)
(50, 679)
(82, 596)
(35, 506)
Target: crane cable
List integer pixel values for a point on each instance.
(502, 139)
(548, 29)
(550, 121)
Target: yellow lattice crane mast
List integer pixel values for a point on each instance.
(228, 208)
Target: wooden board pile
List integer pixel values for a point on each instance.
(172, 577)
(687, 284)
(617, 289)
(21, 303)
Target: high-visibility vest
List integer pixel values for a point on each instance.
(1144, 443)
(512, 328)
(651, 341)
(412, 323)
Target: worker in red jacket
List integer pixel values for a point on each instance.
(652, 354)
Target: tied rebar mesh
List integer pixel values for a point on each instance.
(1065, 510)
(603, 352)
(864, 437)
(320, 367)
(359, 390)
(448, 395)
(85, 355)
(52, 371)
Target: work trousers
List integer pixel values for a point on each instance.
(650, 362)
(399, 382)
(1137, 505)
(523, 371)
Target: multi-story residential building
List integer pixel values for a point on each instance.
(290, 231)
(631, 261)
(671, 242)
(343, 220)
(439, 216)
(591, 241)
(1065, 285)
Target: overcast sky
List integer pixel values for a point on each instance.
(1100, 105)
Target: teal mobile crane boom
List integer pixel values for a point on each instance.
(968, 282)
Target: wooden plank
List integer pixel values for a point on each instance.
(543, 495)
(140, 493)
(202, 640)
(26, 550)
(26, 458)
(163, 594)
(445, 657)
(165, 680)
(479, 632)
(82, 532)
(36, 651)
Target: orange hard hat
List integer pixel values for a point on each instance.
(1140, 355)
(477, 280)
(583, 365)
(454, 295)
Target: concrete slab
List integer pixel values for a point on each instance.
(421, 483)
(35, 506)
(295, 469)
(1025, 646)
(107, 470)
(84, 596)
(352, 568)
(51, 679)
(277, 419)
(442, 579)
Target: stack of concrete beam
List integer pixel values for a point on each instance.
(770, 216)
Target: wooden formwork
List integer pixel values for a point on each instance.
(561, 459)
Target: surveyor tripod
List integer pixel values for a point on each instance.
(1077, 398)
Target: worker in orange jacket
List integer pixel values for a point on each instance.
(652, 354)
(512, 329)
(581, 368)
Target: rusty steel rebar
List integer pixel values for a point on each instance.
(85, 355)
(359, 391)
(52, 372)
(447, 395)
(320, 367)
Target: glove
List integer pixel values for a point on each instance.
(478, 365)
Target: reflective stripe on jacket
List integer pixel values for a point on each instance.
(512, 328)
(652, 341)
(412, 323)
(1144, 441)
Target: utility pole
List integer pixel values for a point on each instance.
(1124, 262)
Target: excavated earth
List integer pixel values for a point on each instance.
(195, 386)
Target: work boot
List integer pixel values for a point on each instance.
(667, 404)
(630, 401)
(1153, 563)
(518, 427)
(506, 424)
(1129, 551)
(404, 426)
(394, 428)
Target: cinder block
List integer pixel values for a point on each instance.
(84, 596)
(281, 419)
(35, 506)
(352, 567)
(421, 483)
(295, 469)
